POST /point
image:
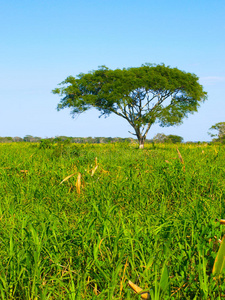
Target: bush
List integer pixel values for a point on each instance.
(46, 143)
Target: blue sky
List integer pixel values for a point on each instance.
(43, 42)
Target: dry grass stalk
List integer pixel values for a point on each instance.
(181, 159)
(67, 178)
(96, 291)
(95, 168)
(217, 240)
(121, 282)
(78, 183)
(138, 290)
(176, 291)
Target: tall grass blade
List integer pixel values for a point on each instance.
(220, 259)
(164, 281)
(121, 283)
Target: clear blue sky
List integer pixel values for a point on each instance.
(43, 42)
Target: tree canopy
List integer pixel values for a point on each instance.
(220, 135)
(171, 138)
(175, 138)
(142, 95)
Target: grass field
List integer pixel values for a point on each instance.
(76, 227)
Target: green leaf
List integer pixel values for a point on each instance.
(220, 260)
(164, 281)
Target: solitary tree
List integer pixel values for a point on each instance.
(160, 138)
(142, 96)
(220, 128)
(175, 138)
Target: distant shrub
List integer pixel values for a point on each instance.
(65, 148)
(46, 143)
(6, 139)
(171, 138)
(175, 139)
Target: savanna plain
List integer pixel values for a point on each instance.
(78, 221)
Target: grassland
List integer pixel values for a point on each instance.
(146, 216)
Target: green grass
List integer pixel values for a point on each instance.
(142, 217)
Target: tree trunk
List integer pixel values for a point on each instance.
(141, 142)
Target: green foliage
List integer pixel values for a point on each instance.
(46, 143)
(63, 148)
(32, 139)
(219, 263)
(6, 139)
(139, 217)
(175, 138)
(162, 138)
(66, 139)
(142, 96)
(60, 147)
(220, 135)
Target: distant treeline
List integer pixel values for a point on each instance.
(80, 140)
(158, 138)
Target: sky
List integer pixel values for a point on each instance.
(43, 42)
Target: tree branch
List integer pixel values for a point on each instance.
(132, 133)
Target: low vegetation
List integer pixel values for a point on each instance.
(79, 221)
